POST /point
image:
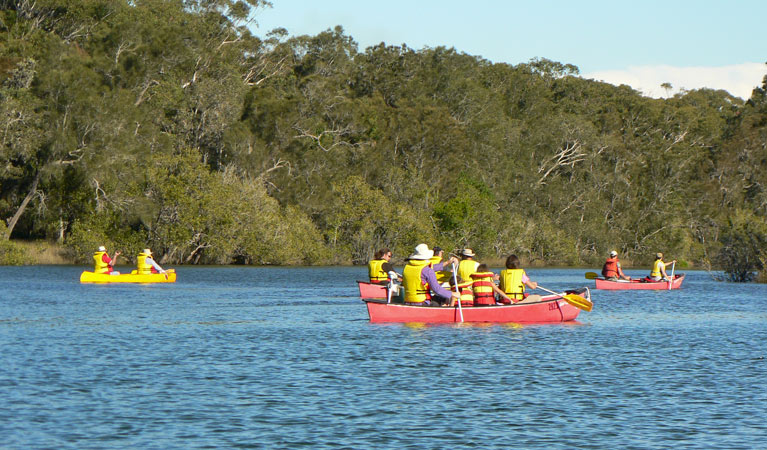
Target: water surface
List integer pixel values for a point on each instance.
(232, 357)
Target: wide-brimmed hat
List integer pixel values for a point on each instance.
(613, 253)
(102, 248)
(422, 252)
(468, 252)
(147, 251)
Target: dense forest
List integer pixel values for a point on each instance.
(171, 124)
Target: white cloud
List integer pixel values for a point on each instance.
(738, 79)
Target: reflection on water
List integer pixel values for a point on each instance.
(283, 358)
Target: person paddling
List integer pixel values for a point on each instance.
(658, 272)
(380, 266)
(514, 279)
(102, 263)
(146, 264)
(420, 281)
(612, 268)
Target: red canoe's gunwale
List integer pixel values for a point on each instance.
(601, 283)
(551, 309)
(371, 290)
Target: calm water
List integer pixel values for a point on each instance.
(286, 358)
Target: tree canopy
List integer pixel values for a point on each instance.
(170, 124)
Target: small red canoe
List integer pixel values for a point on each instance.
(640, 284)
(552, 309)
(371, 290)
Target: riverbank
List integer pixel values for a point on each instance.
(24, 253)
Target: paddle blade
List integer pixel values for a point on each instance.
(592, 275)
(579, 302)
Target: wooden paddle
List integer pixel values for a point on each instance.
(592, 275)
(573, 299)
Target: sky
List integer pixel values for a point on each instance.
(689, 44)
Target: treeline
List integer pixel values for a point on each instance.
(171, 125)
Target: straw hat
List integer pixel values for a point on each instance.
(468, 252)
(147, 251)
(422, 252)
(659, 255)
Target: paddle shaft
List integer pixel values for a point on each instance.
(458, 291)
(671, 280)
(550, 291)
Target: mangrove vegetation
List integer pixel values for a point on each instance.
(180, 126)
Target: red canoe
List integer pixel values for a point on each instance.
(371, 290)
(639, 284)
(551, 309)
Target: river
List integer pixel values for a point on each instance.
(242, 357)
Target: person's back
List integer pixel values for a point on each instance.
(482, 286)
(467, 266)
(99, 265)
(511, 283)
(658, 272)
(415, 290)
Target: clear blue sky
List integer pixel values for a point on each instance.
(678, 39)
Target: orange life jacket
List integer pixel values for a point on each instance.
(483, 288)
(610, 269)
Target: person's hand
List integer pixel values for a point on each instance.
(117, 253)
(534, 284)
(456, 296)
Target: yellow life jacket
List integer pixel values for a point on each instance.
(99, 266)
(141, 264)
(376, 273)
(482, 286)
(511, 283)
(415, 290)
(443, 276)
(465, 268)
(656, 267)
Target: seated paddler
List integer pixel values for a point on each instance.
(443, 269)
(513, 280)
(485, 290)
(420, 281)
(146, 264)
(102, 263)
(380, 266)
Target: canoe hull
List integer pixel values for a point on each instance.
(551, 310)
(601, 283)
(90, 277)
(371, 290)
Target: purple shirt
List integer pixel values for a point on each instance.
(428, 276)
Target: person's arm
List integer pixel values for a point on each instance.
(431, 278)
(528, 282)
(155, 265)
(501, 293)
(621, 274)
(109, 261)
(389, 267)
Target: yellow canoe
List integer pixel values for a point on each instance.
(133, 277)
